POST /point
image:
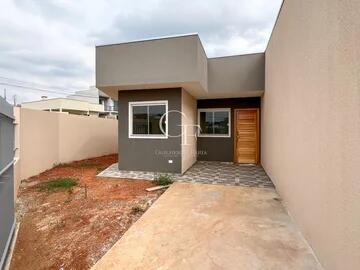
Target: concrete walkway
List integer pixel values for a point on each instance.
(201, 226)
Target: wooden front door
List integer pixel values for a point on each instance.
(246, 136)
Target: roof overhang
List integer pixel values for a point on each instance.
(173, 62)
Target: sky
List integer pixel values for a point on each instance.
(47, 47)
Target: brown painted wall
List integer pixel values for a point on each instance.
(222, 149)
(311, 124)
(150, 154)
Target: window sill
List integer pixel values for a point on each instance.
(213, 136)
(147, 137)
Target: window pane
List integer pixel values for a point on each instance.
(140, 120)
(221, 123)
(206, 122)
(155, 113)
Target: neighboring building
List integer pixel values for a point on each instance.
(110, 106)
(65, 105)
(174, 75)
(90, 95)
(95, 96)
(84, 102)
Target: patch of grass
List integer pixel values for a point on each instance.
(78, 164)
(163, 180)
(62, 165)
(59, 183)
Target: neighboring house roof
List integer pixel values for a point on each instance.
(90, 95)
(102, 94)
(63, 103)
(177, 61)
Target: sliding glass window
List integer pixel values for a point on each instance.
(214, 122)
(148, 119)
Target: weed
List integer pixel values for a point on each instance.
(60, 224)
(62, 165)
(162, 180)
(136, 209)
(100, 169)
(86, 191)
(78, 164)
(59, 183)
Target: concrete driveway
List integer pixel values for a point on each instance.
(202, 226)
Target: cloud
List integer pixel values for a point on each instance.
(217, 22)
(52, 42)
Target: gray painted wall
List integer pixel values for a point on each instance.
(233, 74)
(7, 212)
(150, 154)
(163, 60)
(222, 149)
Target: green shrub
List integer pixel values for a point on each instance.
(59, 183)
(162, 180)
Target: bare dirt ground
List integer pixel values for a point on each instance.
(73, 228)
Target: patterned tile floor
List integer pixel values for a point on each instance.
(207, 172)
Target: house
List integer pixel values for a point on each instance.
(110, 106)
(95, 96)
(65, 105)
(85, 102)
(177, 106)
(306, 87)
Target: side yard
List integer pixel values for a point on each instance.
(69, 218)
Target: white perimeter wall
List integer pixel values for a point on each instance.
(311, 124)
(48, 138)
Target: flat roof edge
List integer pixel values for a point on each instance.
(177, 36)
(59, 98)
(234, 55)
(149, 39)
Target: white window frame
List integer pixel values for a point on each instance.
(228, 110)
(147, 136)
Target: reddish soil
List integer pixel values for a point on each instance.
(73, 228)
